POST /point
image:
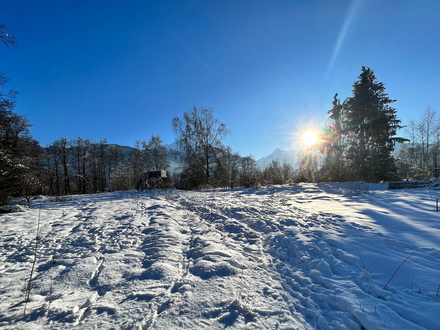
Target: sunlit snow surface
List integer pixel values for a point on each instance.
(311, 256)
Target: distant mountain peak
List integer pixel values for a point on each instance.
(281, 156)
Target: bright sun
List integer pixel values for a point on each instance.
(310, 137)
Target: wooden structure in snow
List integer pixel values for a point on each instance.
(152, 180)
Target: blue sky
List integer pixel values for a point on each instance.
(268, 69)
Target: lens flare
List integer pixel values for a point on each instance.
(310, 137)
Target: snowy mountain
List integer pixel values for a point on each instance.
(311, 256)
(280, 155)
(172, 146)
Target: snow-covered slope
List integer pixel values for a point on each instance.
(289, 157)
(310, 256)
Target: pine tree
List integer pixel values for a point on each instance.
(333, 143)
(371, 125)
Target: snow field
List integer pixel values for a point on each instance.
(305, 257)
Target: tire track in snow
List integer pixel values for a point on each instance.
(165, 264)
(280, 259)
(237, 234)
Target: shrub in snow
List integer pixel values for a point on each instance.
(63, 198)
(357, 188)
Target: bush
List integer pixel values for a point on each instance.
(357, 188)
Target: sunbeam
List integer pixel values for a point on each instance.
(352, 10)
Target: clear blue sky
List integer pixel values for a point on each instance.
(122, 70)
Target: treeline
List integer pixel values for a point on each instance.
(359, 141)
(81, 166)
(75, 166)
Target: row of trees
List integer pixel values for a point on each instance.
(80, 166)
(84, 166)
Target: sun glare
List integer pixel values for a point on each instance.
(310, 137)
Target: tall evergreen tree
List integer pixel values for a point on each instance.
(371, 125)
(333, 143)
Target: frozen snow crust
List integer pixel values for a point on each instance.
(310, 256)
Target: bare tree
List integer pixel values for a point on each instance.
(79, 151)
(155, 154)
(427, 133)
(115, 162)
(226, 171)
(411, 148)
(287, 171)
(420, 156)
(135, 164)
(61, 150)
(249, 173)
(199, 135)
(102, 163)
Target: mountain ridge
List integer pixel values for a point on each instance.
(280, 155)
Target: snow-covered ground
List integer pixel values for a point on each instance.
(310, 256)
